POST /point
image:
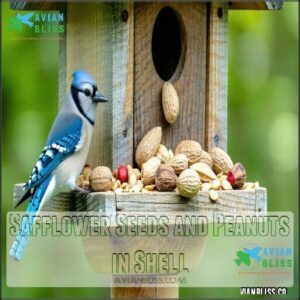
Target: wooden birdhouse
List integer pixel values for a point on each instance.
(132, 49)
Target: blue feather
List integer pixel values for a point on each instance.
(80, 77)
(19, 244)
(62, 141)
(51, 156)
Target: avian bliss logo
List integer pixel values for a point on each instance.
(252, 256)
(38, 22)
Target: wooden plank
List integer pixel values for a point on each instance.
(261, 200)
(230, 201)
(34, 5)
(122, 85)
(110, 203)
(102, 202)
(256, 5)
(100, 41)
(216, 97)
(89, 47)
(62, 202)
(190, 86)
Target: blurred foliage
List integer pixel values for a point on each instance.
(262, 130)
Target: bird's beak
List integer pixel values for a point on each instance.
(99, 98)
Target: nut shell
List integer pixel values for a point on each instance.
(148, 146)
(163, 153)
(237, 176)
(213, 195)
(165, 179)
(222, 162)
(206, 158)
(149, 169)
(191, 149)
(170, 102)
(179, 163)
(188, 183)
(86, 172)
(101, 179)
(205, 172)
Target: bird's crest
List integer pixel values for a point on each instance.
(80, 77)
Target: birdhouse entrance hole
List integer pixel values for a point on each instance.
(168, 44)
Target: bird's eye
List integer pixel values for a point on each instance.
(87, 92)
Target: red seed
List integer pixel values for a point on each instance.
(230, 178)
(123, 174)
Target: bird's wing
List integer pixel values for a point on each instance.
(66, 142)
(51, 156)
(27, 16)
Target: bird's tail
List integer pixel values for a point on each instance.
(28, 220)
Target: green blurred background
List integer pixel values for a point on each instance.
(263, 117)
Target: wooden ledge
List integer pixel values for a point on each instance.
(109, 202)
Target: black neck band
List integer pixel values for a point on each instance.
(74, 93)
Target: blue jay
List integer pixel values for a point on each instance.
(64, 155)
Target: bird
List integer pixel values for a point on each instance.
(64, 154)
(253, 253)
(25, 19)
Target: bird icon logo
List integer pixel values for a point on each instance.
(25, 19)
(245, 256)
(18, 21)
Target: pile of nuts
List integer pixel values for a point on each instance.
(188, 170)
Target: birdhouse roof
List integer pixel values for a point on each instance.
(252, 5)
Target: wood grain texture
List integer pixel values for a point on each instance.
(89, 47)
(33, 5)
(216, 96)
(190, 86)
(108, 202)
(122, 85)
(254, 5)
(261, 200)
(257, 5)
(99, 41)
(62, 202)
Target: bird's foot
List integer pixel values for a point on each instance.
(80, 190)
(77, 191)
